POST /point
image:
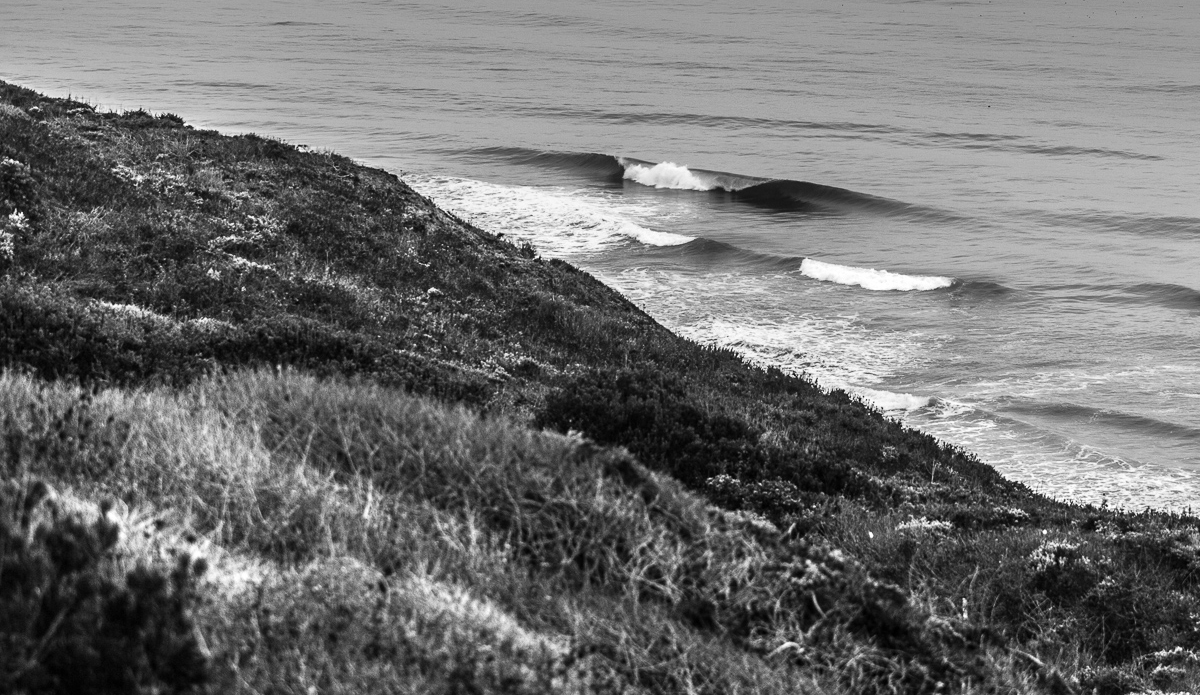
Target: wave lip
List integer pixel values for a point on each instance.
(651, 237)
(871, 279)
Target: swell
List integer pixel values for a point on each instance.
(599, 166)
(850, 130)
(1016, 143)
(708, 253)
(1162, 226)
(1167, 295)
(1110, 419)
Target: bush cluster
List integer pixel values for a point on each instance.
(651, 413)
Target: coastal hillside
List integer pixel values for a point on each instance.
(273, 422)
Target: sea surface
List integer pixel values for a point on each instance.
(981, 216)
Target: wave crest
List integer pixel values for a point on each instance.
(666, 175)
(871, 279)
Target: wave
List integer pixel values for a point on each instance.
(717, 255)
(981, 289)
(783, 194)
(597, 166)
(1167, 294)
(773, 194)
(666, 175)
(871, 279)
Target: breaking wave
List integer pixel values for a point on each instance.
(871, 279)
(666, 175)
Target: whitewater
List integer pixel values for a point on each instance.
(979, 217)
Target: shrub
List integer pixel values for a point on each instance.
(17, 192)
(68, 624)
(652, 413)
(1062, 572)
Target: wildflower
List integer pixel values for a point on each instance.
(247, 264)
(6, 246)
(922, 525)
(1056, 555)
(17, 221)
(128, 174)
(1174, 656)
(1015, 513)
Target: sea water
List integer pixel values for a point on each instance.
(980, 216)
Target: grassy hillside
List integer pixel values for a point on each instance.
(275, 423)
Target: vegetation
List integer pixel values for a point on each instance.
(273, 422)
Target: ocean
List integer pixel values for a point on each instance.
(980, 216)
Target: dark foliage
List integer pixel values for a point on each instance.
(69, 624)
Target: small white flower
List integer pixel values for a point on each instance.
(17, 221)
(247, 264)
(214, 274)
(128, 174)
(1018, 514)
(924, 525)
(1058, 555)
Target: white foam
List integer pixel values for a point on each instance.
(747, 315)
(890, 402)
(666, 175)
(871, 279)
(560, 222)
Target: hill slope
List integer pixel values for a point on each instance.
(302, 369)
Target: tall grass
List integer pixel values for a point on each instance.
(388, 502)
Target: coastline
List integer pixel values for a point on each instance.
(153, 261)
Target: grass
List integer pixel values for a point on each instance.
(416, 458)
